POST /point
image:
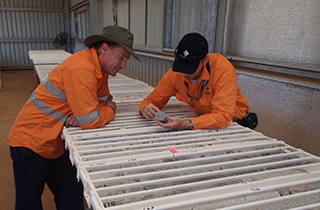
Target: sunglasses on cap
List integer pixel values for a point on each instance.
(185, 57)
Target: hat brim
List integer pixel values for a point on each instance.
(90, 41)
(185, 67)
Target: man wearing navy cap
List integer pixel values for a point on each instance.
(207, 82)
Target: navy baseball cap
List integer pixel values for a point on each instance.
(192, 48)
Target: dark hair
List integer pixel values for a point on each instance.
(99, 44)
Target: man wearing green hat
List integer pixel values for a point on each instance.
(75, 93)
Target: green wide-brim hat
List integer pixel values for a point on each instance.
(116, 34)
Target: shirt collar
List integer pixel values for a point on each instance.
(205, 73)
(95, 61)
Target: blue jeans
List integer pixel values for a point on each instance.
(32, 171)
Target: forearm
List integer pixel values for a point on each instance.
(105, 115)
(161, 94)
(212, 121)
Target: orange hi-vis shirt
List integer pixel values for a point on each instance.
(221, 100)
(76, 86)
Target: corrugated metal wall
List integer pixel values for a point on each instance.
(28, 25)
(79, 25)
(149, 69)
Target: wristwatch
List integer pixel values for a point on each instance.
(190, 126)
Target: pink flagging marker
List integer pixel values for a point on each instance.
(173, 150)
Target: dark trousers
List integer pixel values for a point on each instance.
(32, 171)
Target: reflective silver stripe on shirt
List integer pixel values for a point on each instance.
(47, 109)
(104, 98)
(84, 119)
(54, 90)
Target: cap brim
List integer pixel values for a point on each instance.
(185, 67)
(91, 40)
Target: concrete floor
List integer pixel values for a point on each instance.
(18, 86)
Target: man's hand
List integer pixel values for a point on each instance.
(149, 111)
(174, 123)
(112, 104)
(71, 121)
